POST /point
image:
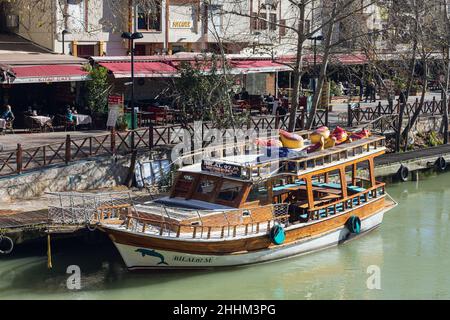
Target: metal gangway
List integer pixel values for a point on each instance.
(73, 208)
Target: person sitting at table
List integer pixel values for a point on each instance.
(69, 115)
(8, 115)
(270, 99)
(244, 94)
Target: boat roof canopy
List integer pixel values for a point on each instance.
(263, 164)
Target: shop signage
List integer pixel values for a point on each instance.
(50, 79)
(115, 109)
(181, 24)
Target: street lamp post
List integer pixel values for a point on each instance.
(64, 32)
(315, 39)
(131, 37)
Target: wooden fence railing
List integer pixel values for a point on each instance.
(115, 142)
(358, 115)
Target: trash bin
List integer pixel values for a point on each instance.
(128, 119)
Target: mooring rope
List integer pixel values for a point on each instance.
(49, 253)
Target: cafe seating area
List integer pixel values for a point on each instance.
(258, 105)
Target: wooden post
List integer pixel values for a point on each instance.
(113, 141)
(19, 158)
(343, 182)
(309, 192)
(354, 173)
(371, 172)
(68, 152)
(349, 115)
(150, 135)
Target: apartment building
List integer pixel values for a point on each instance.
(86, 28)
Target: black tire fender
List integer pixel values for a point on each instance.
(441, 164)
(403, 173)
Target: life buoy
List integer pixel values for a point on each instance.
(441, 164)
(353, 225)
(277, 235)
(403, 173)
(11, 245)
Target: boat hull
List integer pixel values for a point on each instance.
(141, 257)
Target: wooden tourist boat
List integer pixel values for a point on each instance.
(238, 210)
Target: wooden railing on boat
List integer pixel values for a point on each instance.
(170, 227)
(298, 166)
(198, 232)
(350, 202)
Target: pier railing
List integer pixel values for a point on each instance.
(357, 115)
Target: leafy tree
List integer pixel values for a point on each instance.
(201, 93)
(98, 90)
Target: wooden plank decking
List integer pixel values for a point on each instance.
(14, 219)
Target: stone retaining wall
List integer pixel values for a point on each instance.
(91, 174)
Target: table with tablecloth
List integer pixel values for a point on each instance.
(42, 120)
(82, 119)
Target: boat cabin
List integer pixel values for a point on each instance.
(311, 187)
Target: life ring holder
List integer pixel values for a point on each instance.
(441, 164)
(11, 242)
(403, 173)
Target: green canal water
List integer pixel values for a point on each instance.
(411, 250)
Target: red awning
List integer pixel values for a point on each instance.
(49, 73)
(142, 69)
(344, 59)
(257, 66)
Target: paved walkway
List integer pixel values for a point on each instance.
(10, 141)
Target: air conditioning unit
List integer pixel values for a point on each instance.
(12, 21)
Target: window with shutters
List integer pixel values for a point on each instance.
(282, 27)
(273, 21)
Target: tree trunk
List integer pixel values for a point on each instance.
(323, 73)
(445, 98)
(447, 75)
(297, 73)
(403, 105)
(418, 110)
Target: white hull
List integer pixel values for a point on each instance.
(161, 259)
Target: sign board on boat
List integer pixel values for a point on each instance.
(225, 169)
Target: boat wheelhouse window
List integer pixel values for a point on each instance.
(184, 184)
(258, 192)
(206, 186)
(229, 191)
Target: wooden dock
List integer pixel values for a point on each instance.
(12, 219)
(389, 164)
